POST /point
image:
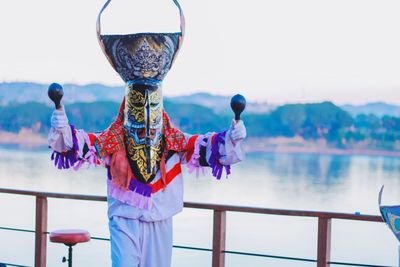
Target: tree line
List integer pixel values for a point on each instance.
(309, 121)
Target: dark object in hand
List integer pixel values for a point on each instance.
(238, 104)
(55, 93)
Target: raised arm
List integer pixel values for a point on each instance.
(217, 150)
(71, 147)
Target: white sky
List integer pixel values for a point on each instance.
(347, 51)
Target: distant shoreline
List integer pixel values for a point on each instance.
(297, 145)
(27, 138)
(24, 138)
(325, 151)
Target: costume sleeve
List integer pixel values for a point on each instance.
(214, 150)
(71, 147)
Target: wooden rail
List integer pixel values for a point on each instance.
(219, 227)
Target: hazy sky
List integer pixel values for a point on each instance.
(277, 51)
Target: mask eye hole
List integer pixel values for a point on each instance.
(154, 104)
(138, 104)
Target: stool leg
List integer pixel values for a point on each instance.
(70, 256)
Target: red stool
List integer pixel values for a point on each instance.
(69, 238)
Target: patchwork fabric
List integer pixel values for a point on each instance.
(174, 138)
(111, 140)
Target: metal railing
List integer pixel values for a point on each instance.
(219, 228)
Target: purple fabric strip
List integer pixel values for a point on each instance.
(138, 195)
(140, 188)
(216, 166)
(135, 186)
(108, 173)
(128, 197)
(65, 160)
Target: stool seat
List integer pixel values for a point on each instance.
(70, 236)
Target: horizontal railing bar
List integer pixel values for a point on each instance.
(52, 195)
(210, 250)
(100, 238)
(14, 265)
(267, 256)
(299, 213)
(193, 248)
(358, 264)
(17, 230)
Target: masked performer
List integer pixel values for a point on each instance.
(142, 151)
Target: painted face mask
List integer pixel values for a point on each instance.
(142, 60)
(143, 126)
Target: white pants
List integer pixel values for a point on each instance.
(136, 243)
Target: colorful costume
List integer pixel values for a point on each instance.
(142, 151)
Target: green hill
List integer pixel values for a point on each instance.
(309, 121)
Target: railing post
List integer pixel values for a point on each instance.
(41, 229)
(324, 242)
(218, 256)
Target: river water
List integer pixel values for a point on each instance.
(288, 181)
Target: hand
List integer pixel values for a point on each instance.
(237, 132)
(59, 118)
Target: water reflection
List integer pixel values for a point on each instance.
(391, 165)
(288, 181)
(327, 170)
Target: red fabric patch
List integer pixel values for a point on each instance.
(190, 147)
(174, 138)
(92, 138)
(175, 171)
(212, 138)
(111, 140)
